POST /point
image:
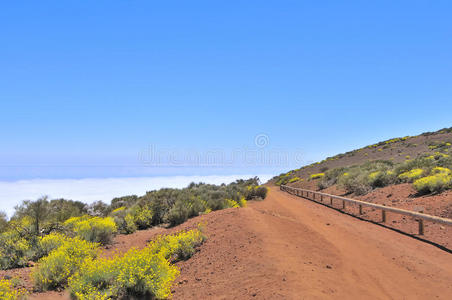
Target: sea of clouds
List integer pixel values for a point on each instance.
(91, 189)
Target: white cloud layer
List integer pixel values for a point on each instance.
(105, 189)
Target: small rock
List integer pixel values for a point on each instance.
(441, 227)
(327, 224)
(329, 267)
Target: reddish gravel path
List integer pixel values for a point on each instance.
(289, 248)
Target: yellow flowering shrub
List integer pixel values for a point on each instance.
(119, 209)
(232, 203)
(295, 179)
(177, 246)
(50, 242)
(318, 175)
(256, 192)
(15, 247)
(411, 175)
(142, 217)
(147, 272)
(54, 270)
(433, 184)
(93, 229)
(441, 170)
(7, 291)
(72, 222)
(242, 202)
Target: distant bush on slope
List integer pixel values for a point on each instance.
(433, 184)
(429, 174)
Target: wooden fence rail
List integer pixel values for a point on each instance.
(420, 217)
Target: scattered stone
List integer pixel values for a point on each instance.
(327, 224)
(329, 267)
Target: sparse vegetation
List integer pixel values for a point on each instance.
(404, 167)
(429, 174)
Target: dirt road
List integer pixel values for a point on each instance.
(290, 248)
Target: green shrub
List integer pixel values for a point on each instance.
(381, 178)
(147, 272)
(54, 270)
(178, 214)
(331, 177)
(254, 192)
(433, 184)
(356, 183)
(93, 229)
(124, 220)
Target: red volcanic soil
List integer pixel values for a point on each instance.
(401, 196)
(286, 247)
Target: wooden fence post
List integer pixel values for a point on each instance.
(421, 226)
(360, 209)
(383, 216)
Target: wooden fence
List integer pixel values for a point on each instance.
(322, 197)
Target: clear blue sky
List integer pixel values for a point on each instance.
(86, 85)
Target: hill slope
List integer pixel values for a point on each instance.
(396, 150)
